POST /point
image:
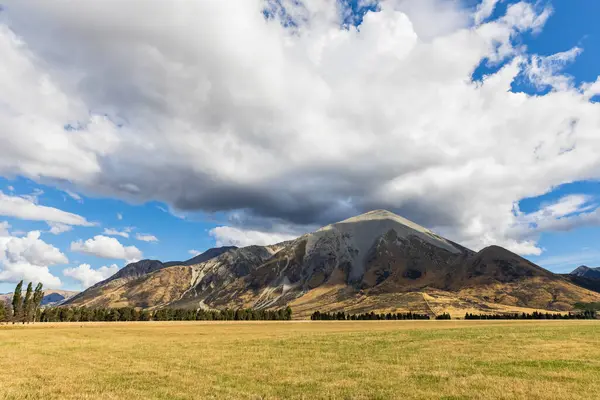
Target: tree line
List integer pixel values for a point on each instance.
(22, 309)
(342, 316)
(588, 306)
(83, 314)
(587, 314)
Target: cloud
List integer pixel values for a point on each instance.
(56, 228)
(567, 213)
(172, 212)
(107, 247)
(74, 196)
(303, 122)
(231, 236)
(116, 232)
(144, 237)
(544, 71)
(27, 209)
(119, 216)
(4, 227)
(28, 258)
(34, 196)
(484, 10)
(194, 253)
(88, 276)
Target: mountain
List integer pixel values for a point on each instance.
(586, 272)
(586, 277)
(376, 261)
(51, 296)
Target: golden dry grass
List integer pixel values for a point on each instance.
(302, 360)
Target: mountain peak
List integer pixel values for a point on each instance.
(380, 215)
(374, 214)
(359, 233)
(586, 272)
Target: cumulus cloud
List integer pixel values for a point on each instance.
(303, 122)
(115, 232)
(231, 236)
(88, 276)
(145, 237)
(107, 247)
(26, 207)
(28, 258)
(194, 253)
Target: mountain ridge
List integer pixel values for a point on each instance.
(587, 272)
(371, 262)
(140, 269)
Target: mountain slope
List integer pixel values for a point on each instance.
(498, 276)
(592, 284)
(376, 261)
(141, 279)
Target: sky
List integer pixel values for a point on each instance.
(154, 129)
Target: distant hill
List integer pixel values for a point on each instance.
(376, 261)
(586, 272)
(51, 296)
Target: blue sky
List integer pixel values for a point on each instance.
(193, 143)
(176, 236)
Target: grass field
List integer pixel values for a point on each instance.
(302, 360)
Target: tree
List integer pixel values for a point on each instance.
(2, 312)
(8, 312)
(17, 302)
(38, 295)
(28, 303)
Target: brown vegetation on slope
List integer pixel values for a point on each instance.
(155, 289)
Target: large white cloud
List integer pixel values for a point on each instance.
(207, 105)
(28, 258)
(88, 276)
(107, 247)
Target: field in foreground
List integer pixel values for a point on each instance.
(302, 360)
